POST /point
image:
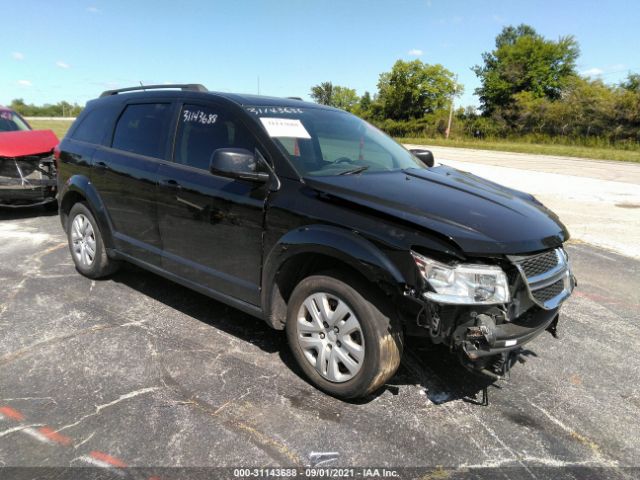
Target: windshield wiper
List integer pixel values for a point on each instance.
(355, 170)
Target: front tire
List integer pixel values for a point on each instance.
(344, 335)
(86, 245)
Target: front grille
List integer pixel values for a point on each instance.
(545, 294)
(547, 276)
(539, 264)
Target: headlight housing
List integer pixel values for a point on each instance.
(464, 284)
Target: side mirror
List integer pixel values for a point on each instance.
(236, 163)
(426, 156)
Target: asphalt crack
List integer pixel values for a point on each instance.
(99, 408)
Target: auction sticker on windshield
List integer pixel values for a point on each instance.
(284, 127)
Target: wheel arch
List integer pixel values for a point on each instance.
(80, 189)
(317, 248)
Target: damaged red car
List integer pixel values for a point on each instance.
(27, 164)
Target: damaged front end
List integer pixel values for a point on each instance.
(508, 304)
(27, 169)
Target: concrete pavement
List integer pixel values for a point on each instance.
(599, 202)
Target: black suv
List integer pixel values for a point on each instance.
(313, 220)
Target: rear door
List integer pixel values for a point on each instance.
(124, 174)
(211, 226)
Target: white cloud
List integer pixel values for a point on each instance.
(498, 18)
(604, 71)
(592, 72)
(25, 83)
(415, 52)
(93, 9)
(61, 64)
(17, 55)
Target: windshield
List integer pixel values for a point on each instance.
(329, 142)
(11, 122)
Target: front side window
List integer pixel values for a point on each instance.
(331, 142)
(204, 129)
(142, 129)
(12, 122)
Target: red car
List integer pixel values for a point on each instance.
(27, 165)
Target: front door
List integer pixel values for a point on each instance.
(211, 226)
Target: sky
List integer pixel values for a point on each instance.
(74, 49)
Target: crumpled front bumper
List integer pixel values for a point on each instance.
(27, 181)
(486, 339)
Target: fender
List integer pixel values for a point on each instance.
(81, 185)
(347, 246)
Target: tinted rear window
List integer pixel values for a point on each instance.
(142, 129)
(93, 127)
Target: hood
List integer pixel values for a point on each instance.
(27, 142)
(479, 216)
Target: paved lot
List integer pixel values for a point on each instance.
(136, 370)
(598, 201)
(625, 172)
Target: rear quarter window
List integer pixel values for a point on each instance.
(143, 129)
(94, 126)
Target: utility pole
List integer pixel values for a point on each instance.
(453, 95)
(448, 130)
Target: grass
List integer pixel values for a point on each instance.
(59, 127)
(597, 153)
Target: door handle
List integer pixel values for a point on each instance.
(170, 183)
(100, 166)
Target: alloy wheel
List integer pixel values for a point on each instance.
(83, 240)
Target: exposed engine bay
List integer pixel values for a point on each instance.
(27, 168)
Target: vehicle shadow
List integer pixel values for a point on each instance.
(432, 367)
(7, 213)
(443, 377)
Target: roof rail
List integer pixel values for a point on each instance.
(189, 87)
(295, 98)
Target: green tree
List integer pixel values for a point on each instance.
(413, 89)
(632, 83)
(326, 93)
(19, 106)
(322, 93)
(344, 98)
(365, 102)
(524, 61)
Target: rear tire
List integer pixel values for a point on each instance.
(344, 334)
(86, 245)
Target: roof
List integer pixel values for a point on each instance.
(239, 98)
(265, 101)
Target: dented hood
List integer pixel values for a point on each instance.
(27, 142)
(480, 216)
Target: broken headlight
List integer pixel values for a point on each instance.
(463, 283)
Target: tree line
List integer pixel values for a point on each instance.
(60, 109)
(529, 88)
